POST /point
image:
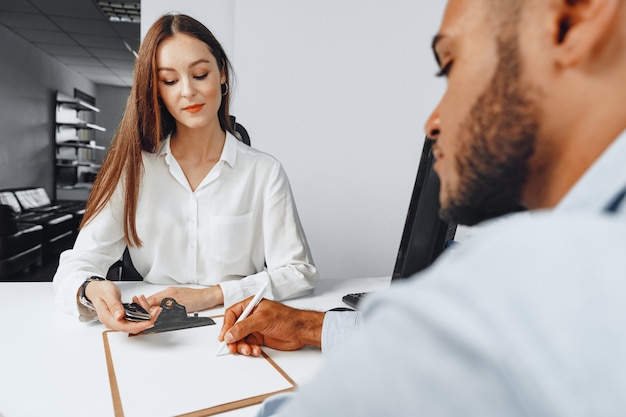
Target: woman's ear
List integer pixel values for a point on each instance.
(582, 26)
(223, 73)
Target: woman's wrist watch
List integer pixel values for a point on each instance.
(81, 293)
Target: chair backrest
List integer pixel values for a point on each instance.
(124, 270)
(129, 273)
(240, 132)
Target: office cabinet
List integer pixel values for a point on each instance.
(76, 163)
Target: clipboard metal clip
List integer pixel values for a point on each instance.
(174, 317)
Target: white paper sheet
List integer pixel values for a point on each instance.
(177, 372)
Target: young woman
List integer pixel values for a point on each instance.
(192, 203)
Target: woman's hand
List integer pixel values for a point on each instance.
(106, 298)
(194, 299)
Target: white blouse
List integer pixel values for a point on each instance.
(239, 229)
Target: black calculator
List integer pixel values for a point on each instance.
(354, 299)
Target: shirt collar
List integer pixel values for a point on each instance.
(165, 147)
(229, 153)
(601, 182)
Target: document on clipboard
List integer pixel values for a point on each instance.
(177, 373)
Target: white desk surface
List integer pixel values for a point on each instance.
(53, 365)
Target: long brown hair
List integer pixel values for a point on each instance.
(146, 121)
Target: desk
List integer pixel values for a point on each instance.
(53, 365)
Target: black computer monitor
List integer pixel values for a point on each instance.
(425, 235)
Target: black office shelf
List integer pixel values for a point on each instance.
(79, 144)
(76, 104)
(75, 163)
(75, 155)
(81, 126)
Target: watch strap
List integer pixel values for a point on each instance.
(82, 297)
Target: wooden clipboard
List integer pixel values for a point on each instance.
(178, 374)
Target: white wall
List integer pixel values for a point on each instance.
(217, 15)
(112, 101)
(338, 90)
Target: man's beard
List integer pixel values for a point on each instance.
(498, 140)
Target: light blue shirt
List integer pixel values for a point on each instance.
(439, 337)
(511, 338)
(603, 180)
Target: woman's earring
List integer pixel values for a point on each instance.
(224, 89)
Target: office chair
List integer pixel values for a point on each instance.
(240, 132)
(124, 270)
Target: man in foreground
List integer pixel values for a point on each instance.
(527, 320)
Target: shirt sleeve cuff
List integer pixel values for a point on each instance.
(272, 405)
(86, 314)
(235, 291)
(337, 326)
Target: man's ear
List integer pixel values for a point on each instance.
(581, 27)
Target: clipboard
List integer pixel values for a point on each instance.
(178, 374)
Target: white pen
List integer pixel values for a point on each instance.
(255, 301)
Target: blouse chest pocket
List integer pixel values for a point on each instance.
(230, 238)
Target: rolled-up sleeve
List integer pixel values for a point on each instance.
(99, 244)
(289, 264)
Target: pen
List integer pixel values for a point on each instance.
(255, 301)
